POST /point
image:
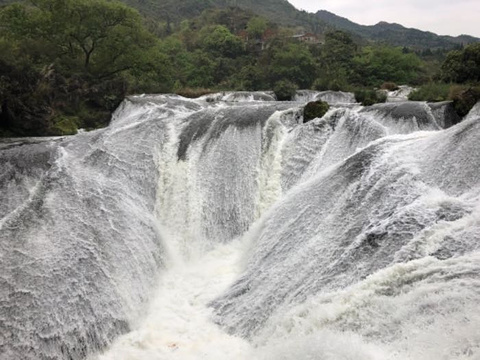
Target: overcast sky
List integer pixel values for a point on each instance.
(444, 17)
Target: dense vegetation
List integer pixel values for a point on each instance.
(67, 64)
(458, 80)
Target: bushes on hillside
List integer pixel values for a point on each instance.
(369, 97)
(431, 92)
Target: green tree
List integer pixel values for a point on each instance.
(102, 37)
(82, 57)
(251, 78)
(335, 61)
(256, 27)
(339, 49)
(218, 40)
(293, 62)
(378, 64)
(462, 66)
(200, 70)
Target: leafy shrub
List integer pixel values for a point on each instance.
(315, 109)
(431, 92)
(369, 97)
(321, 84)
(334, 82)
(284, 90)
(65, 125)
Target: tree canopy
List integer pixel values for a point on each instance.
(462, 65)
(102, 37)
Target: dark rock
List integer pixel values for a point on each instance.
(444, 114)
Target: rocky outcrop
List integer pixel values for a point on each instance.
(444, 114)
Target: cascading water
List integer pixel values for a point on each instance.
(224, 227)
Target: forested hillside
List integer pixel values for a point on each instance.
(279, 11)
(166, 15)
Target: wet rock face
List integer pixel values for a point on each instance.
(444, 114)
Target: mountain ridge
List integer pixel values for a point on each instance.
(396, 34)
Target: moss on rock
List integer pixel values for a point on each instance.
(315, 109)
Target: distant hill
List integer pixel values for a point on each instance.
(395, 34)
(284, 13)
(277, 11)
(280, 12)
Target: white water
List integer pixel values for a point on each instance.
(199, 229)
(401, 94)
(178, 324)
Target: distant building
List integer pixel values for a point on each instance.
(308, 38)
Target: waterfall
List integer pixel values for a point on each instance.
(226, 227)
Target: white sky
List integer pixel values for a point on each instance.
(443, 17)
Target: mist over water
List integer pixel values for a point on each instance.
(225, 227)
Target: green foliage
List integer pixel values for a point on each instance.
(103, 37)
(369, 97)
(284, 90)
(256, 26)
(200, 71)
(378, 64)
(65, 125)
(219, 41)
(63, 59)
(431, 92)
(339, 47)
(278, 11)
(315, 109)
(67, 64)
(464, 97)
(335, 61)
(293, 62)
(462, 66)
(251, 78)
(335, 82)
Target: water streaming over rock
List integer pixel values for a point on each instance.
(225, 227)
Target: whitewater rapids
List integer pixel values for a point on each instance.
(227, 228)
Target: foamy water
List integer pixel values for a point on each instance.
(178, 324)
(226, 228)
